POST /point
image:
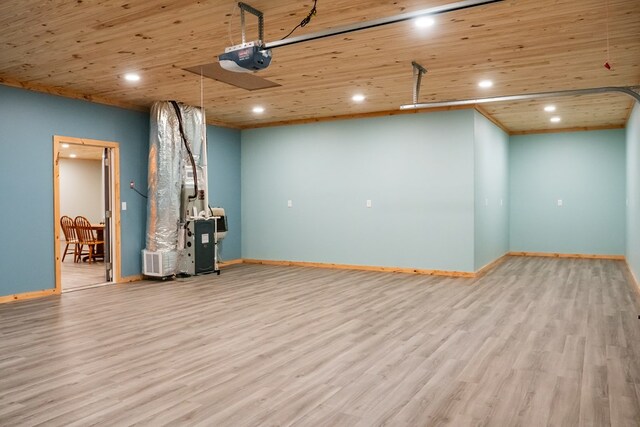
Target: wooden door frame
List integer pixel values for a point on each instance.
(115, 151)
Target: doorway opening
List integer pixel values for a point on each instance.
(86, 213)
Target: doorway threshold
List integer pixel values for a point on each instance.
(82, 288)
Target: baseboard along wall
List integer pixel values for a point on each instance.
(446, 273)
(560, 255)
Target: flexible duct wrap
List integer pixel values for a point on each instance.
(167, 161)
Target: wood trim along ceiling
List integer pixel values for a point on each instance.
(69, 93)
(480, 109)
(356, 116)
(563, 130)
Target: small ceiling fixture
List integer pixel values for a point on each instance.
(485, 84)
(73, 156)
(550, 108)
(132, 77)
(555, 119)
(65, 145)
(424, 22)
(358, 97)
(258, 109)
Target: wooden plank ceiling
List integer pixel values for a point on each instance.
(83, 48)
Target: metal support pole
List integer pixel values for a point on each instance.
(242, 26)
(245, 7)
(418, 72)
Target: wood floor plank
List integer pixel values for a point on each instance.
(535, 341)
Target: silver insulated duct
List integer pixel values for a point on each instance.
(169, 162)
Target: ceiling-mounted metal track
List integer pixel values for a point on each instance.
(631, 91)
(466, 4)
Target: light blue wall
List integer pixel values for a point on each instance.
(428, 176)
(491, 151)
(223, 158)
(633, 191)
(416, 169)
(584, 169)
(28, 122)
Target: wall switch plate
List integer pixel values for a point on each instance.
(124, 206)
(560, 202)
(289, 203)
(368, 203)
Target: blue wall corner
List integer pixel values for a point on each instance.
(633, 191)
(491, 179)
(223, 159)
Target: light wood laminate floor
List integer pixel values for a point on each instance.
(537, 341)
(77, 275)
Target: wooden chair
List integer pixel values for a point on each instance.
(70, 236)
(86, 236)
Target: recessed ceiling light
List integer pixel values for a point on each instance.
(132, 77)
(554, 119)
(258, 110)
(424, 22)
(65, 145)
(73, 156)
(358, 97)
(550, 108)
(485, 83)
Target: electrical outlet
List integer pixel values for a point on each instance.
(124, 206)
(289, 203)
(368, 203)
(559, 202)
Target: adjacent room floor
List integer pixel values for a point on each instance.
(537, 341)
(80, 274)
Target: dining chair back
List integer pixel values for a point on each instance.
(86, 235)
(70, 237)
